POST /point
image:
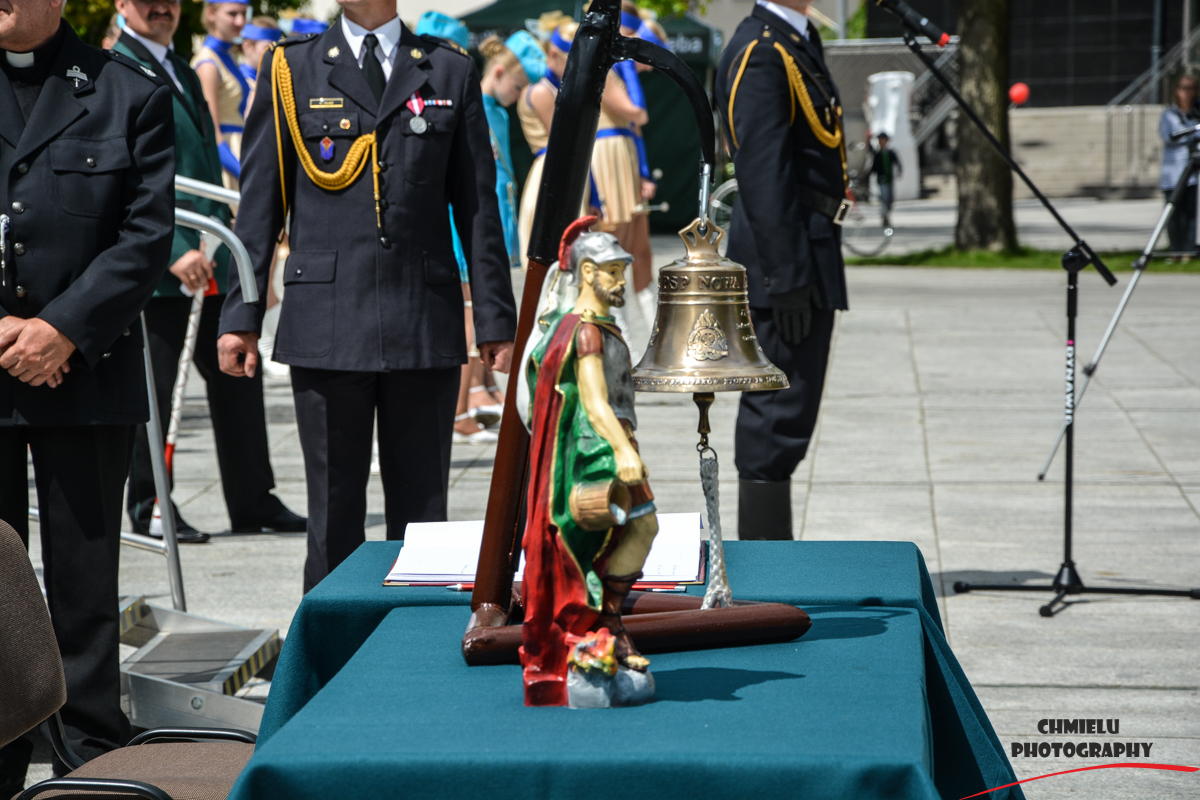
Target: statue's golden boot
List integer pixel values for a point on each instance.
(616, 589)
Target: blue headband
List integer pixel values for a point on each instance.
(647, 33)
(629, 20)
(260, 34)
(558, 41)
(443, 26)
(301, 25)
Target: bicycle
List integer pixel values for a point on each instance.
(863, 231)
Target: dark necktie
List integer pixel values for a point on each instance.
(372, 69)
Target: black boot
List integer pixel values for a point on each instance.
(764, 510)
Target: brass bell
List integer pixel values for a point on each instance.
(703, 340)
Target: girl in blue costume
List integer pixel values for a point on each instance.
(225, 87)
(257, 37)
(637, 241)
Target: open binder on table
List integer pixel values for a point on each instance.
(447, 554)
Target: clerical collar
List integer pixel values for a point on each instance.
(42, 56)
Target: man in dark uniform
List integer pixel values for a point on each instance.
(381, 129)
(238, 417)
(86, 164)
(782, 120)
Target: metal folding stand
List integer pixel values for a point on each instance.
(1067, 580)
(187, 670)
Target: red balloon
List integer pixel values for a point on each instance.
(1019, 93)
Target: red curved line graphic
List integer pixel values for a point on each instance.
(1130, 765)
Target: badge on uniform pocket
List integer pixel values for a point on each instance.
(327, 149)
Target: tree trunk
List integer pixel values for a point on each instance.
(985, 219)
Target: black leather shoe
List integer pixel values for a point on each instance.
(764, 510)
(184, 533)
(280, 520)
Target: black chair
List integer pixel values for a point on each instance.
(162, 764)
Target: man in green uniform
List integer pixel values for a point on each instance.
(239, 419)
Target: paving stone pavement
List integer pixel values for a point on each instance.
(944, 395)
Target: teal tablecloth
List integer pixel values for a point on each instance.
(371, 697)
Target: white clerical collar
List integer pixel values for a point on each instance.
(19, 60)
(159, 51)
(388, 34)
(791, 17)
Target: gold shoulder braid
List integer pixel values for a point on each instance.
(800, 92)
(364, 147)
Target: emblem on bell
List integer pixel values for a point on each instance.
(703, 340)
(707, 341)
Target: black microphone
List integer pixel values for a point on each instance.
(916, 21)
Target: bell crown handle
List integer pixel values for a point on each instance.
(701, 239)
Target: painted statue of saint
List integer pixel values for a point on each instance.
(591, 518)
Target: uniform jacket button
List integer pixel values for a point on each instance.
(22, 168)
(126, 333)
(18, 207)
(385, 241)
(91, 162)
(106, 355)
(21, 291)
(19, 249)
(299, 272)
(383, 166)
(383, 204)
(766, 281)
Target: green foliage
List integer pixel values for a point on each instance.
(856, 26)
(674, 8)
(90, 19)
(1022, 258)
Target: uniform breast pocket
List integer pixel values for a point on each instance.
(340, 127)
(88, 174)
(427, 144)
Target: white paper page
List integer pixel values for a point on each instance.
(449, 551)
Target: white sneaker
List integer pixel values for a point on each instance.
(481, 436)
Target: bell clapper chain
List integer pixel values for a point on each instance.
(718, 594)
(705, 191)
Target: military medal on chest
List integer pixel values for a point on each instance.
(327, 149)
(416, 104)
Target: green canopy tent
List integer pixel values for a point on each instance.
(672, 141)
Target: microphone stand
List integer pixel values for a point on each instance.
(1075, 260)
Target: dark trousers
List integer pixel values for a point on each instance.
(774, 428)
(80, 475)
(1181, 227)
(236, 405)
(335, 415)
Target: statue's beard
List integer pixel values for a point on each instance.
(614, 297)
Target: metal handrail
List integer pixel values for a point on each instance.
(207, 190)
(190, 219)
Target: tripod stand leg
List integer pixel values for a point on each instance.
(1048, 609)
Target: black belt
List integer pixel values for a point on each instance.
(833, 207)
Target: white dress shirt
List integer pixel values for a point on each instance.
(389, 39)
(794, 18)
(159, 51)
